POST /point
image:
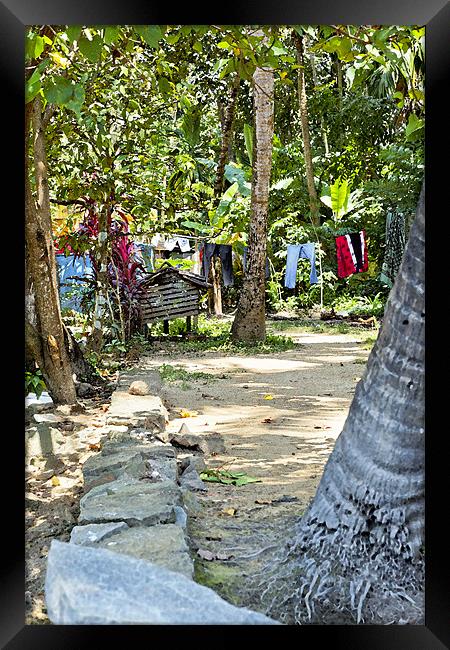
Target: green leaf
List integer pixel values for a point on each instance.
(58, 90)
(73, 32)
(415, 124)
(34, 46)
(112, 33)
(248, 137)
(91, 49)
(151, 34)
(164, 85)
(282, 184)
(77, 100)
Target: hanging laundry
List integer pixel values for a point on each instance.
(183, 243)
(224, 252)
(70, 289)
(395, 246)
(245, 263)
(351, 253)
(294, 253)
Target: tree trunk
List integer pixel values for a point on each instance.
(250, 321)
(95, 341)
(226, 119)
(45, 338)
(358, 553)
(303, 109)
(315, 80)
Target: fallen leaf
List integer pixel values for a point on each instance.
(266, 420)
(229, 511)
(55, 481)
(262, 502)
(268, 396)
(188, 414)
(95, 447)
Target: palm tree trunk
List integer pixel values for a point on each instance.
(358, 551)
(250, 323)
(45, 338)
(303, 108)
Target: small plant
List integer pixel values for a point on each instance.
(228, 478)
(34, 383)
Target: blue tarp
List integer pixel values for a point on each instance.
(70, 290)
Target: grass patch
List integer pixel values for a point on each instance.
(369, 342)
(175, 373)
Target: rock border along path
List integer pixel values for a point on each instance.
(136, 505)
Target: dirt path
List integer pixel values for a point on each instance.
(284, 441)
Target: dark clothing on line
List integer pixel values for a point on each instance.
(224, 252)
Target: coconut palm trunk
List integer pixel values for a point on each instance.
(358, 550)
(250, 322)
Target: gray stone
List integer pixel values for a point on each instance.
(43, 440)
(147, 450)
(139, 388)
(180, 516)
(122, 462)
(166, 467)
(192, 462)
(163, 544)
(95, 586)
(46, 418)
(84, 389)
(92, 533)
(192, 481)
(209, 443)
(147, 411)
(138, 503)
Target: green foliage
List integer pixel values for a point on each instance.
(215, 475)
(34, 383)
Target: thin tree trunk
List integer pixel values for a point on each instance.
(323, 129)
(358, 548)
(101, 299)
(45, 340)
(303, 109)
(226, 119)
(250, 320)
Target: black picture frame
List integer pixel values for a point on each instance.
(15, 15)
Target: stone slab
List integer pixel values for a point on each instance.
(162, 544)
(137, 503)
(93, 533)
(95, 586)
(123, 461)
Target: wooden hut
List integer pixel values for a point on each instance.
(171, 293)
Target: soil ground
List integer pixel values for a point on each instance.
(278, 414)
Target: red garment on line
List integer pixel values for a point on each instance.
(345, 259)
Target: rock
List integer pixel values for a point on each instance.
(147, 450)
(146, 411)
(166, 467)
(84, 389)
(70, 409)
(192, 481)
(42, 440)
(46, 418)
(134, 502)
(180, 516)
(163, 544)
(95, 586)
(210, 443)
(92, 533)
(192, 462)
(122, 462)
(139, 388)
